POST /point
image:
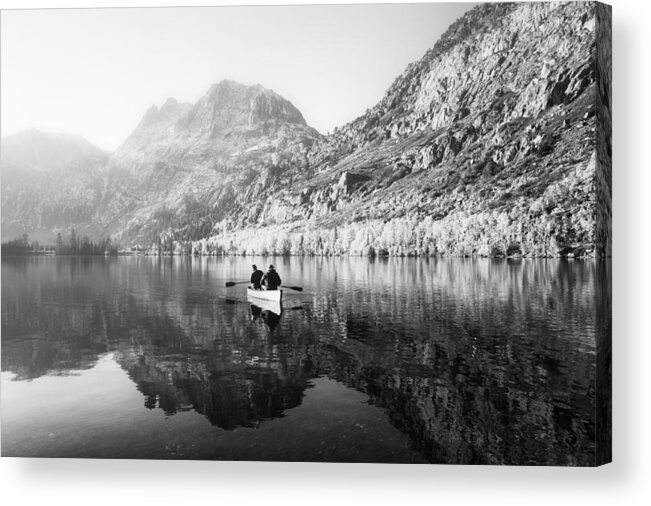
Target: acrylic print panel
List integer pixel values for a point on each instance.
(431, 196)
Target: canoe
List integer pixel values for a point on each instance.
(268, 295)
(266, 299)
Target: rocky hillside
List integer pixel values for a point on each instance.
(49, 183)
(187, 167)
(485, 146)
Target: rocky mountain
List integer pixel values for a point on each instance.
(485, 146)
(488, 145)
(50, 182)
(189, 166)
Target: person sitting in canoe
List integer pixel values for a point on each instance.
(271, 279)
(256, 277)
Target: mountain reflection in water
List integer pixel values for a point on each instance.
(477, 361)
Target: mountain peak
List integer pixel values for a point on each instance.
(226, 84)
(168, 113)
(35, 135)
(37, 150)
(170, 106)
(229, 105)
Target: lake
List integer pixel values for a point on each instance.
(401, 360)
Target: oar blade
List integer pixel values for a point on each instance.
(233, 283)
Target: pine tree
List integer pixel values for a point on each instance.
(73, 242)
(59, 247)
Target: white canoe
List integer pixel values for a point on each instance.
(266, 299)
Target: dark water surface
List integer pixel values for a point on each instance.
(396, 360)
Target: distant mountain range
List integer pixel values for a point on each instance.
(49, 182)
(488, 145)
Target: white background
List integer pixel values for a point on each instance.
(625, 482)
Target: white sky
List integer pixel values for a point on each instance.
(96, 71)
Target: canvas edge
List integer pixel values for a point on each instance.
(603, 232)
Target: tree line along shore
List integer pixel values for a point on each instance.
(487, 234)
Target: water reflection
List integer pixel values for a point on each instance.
(270, 317)
(478, 361)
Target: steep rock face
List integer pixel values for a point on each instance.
(232, 107)
(49, 183)
(497, 63)
(491, 136)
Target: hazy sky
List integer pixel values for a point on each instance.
(96, 71)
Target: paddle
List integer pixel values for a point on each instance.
(297, 288)
(233, 283)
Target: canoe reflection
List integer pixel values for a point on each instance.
(270, 318)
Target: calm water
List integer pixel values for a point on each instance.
(397, 360)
